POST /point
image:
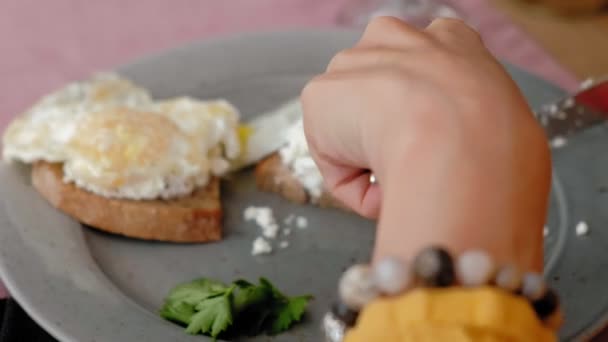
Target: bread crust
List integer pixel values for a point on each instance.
(195, 218)
(271, 175)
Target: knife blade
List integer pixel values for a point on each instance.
(586, 108)
(268, 132)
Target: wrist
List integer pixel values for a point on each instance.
(442, 200)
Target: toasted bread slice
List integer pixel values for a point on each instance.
(195, 218)
(272, 175)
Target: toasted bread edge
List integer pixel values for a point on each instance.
(195, 218)
(271, 175)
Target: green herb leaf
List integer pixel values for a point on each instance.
(248, 295)
(287, 314)
(251, 306)
(214, 316)
(196, 291)
(210, 307)
(177, 311)
(286, 311)
(275, 292)
(252, 322)
(242, 283)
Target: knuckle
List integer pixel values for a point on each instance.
(386, 28)
(470, 33)
(341, 58)
(455, 26)
(473, 33)
(310, 89)
(386, 23)
(448, 23)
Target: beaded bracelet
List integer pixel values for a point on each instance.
(434, 267)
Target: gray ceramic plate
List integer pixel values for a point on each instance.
(83, 285)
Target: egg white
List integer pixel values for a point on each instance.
(42, 131)
(115, 141)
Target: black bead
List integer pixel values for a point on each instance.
(434, 267)
(344, 313)
(546, 305)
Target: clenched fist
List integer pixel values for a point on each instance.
(461, 161)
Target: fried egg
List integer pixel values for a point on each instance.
(212, 124)
(42, 131)
(115, 141)
(127, 153)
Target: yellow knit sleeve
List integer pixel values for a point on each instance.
(450, 314)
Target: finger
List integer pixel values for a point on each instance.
(352, 187)
(357, 193)
(333, 133)
(454, 33)
(364, 58)
(346, 127)
(391, 32)
(335, 122)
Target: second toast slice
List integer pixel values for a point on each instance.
(272, 175)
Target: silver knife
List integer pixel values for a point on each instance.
(581, 110)
(268, 132)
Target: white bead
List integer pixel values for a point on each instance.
(508, 278)
(582, 228)
(357, 287)
(533, 286)
(474, 268)
(392, 276)
(334, 329)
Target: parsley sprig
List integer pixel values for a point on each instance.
(241, 308)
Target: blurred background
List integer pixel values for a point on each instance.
(46, 43)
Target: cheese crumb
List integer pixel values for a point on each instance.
(582, 228)
(289, 219)
(270, 231)
(261, 246)
(558, 142)
(296, 156)
(261, 215)
(283, 244)
(249, 213)
(264, 218)
(301, 222)
(545, 231)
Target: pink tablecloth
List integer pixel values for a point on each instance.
(46, 43)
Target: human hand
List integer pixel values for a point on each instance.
(460, 159)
